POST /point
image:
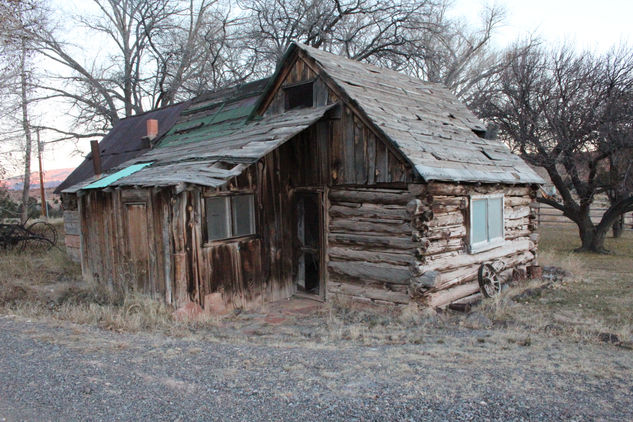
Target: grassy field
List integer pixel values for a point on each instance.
(595, 298)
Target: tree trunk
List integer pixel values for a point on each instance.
(591, 236)
(618, 227)
(26, 126)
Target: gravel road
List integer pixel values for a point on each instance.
(62, 371)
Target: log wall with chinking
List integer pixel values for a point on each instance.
(370, 247)
(445, 270)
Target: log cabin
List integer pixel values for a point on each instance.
(332, 178)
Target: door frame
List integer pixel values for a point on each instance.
(322, 199)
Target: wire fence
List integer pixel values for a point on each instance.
(547, 215)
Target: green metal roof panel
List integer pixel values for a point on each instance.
(106, 181)
(225, 112)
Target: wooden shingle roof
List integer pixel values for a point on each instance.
(213, 162)
(433, 129)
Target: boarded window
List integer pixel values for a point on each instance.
(230, 216)
(486, 222)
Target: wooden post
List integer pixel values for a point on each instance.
(96, 157)
(42, 192)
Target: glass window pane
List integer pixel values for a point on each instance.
(495, 218)
(217, 227)
(478, 221)
(243, 215)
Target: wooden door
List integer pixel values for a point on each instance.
(309, 235)
(138, 244)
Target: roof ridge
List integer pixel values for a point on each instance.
(309, 49)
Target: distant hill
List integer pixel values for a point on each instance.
(52, 179)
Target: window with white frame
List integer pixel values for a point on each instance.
(230, 216)
(486, 221)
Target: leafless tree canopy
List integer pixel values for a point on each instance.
(414, 37)
(571, 113)
(159, 48)
(157, 52)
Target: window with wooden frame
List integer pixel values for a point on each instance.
(230, 216)
(486, 222)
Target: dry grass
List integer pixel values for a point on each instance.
(595, 299)
(350, 320)
(30, 277)
(48, 285)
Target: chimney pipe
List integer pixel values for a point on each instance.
(96, 157)
(152, 129)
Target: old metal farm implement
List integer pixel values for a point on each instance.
(38, 236)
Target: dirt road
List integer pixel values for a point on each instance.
(71, 372)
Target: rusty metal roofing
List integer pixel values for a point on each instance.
(124, 142)
(215, 161)
(433, 129)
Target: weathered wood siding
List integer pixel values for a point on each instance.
(232, 267)
(72, 226)
(441, 230)
(72, 234)
(370, 248)
(111, 252)
(355, 154)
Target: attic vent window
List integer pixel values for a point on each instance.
(299, 95)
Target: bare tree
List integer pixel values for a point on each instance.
(19, 17)
(568, 113)
(414, 37)
(160, 51)
(358, 29)
(197, 52)
(26, 126)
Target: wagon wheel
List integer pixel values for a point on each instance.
(39, 236)
(489, 283)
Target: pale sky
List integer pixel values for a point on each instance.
(585, 24)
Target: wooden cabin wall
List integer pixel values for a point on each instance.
(229, 270)
(72, 227)
(333, 152)
(125, 240)
(258, 268)
(445, 270)
(370, 248)
(356, 155)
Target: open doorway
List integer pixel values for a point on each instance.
(309, 245)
